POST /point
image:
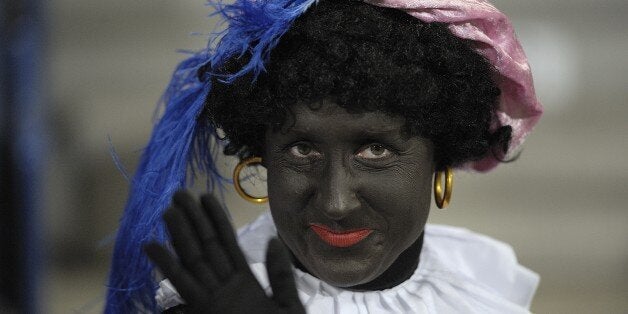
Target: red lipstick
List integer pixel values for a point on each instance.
(340, 238)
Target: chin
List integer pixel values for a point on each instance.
(343, 273)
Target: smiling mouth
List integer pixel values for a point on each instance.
(340, 238)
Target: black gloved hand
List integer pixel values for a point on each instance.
(211, 274)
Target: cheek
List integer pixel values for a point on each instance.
(402, 198)
(287, 188)
(288, 192)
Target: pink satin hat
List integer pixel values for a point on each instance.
(492, 36)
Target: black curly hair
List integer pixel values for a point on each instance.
(366, 58)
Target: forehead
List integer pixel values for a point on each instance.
(328, 117)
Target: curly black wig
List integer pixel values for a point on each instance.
(366, 58)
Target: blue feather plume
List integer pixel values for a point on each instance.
(181, 147)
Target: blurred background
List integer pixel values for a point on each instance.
(98, 69)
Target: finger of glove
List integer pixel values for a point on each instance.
(280, 274)
(187, 286)
(213, 251)
(224, 231)
(187, 246)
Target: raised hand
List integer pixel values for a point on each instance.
(211, 273)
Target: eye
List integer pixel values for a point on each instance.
(374, 151)
(303, 150)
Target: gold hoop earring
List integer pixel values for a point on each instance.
(236, 180)
(443, 198)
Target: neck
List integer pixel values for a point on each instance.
(400, 270)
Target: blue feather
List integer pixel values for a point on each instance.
(180, 147)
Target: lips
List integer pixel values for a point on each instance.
(340, 238)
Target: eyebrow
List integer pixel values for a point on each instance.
(386, 131)
(388, 134)
(374, 131)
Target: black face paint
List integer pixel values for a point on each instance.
(349, 192)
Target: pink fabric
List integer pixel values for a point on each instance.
(494, 38)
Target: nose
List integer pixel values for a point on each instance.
(337, 192)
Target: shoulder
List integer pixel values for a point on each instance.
(461, 245)
(477, 262)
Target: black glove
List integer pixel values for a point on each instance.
(211, 274)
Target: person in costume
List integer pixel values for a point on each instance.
(356, 109)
